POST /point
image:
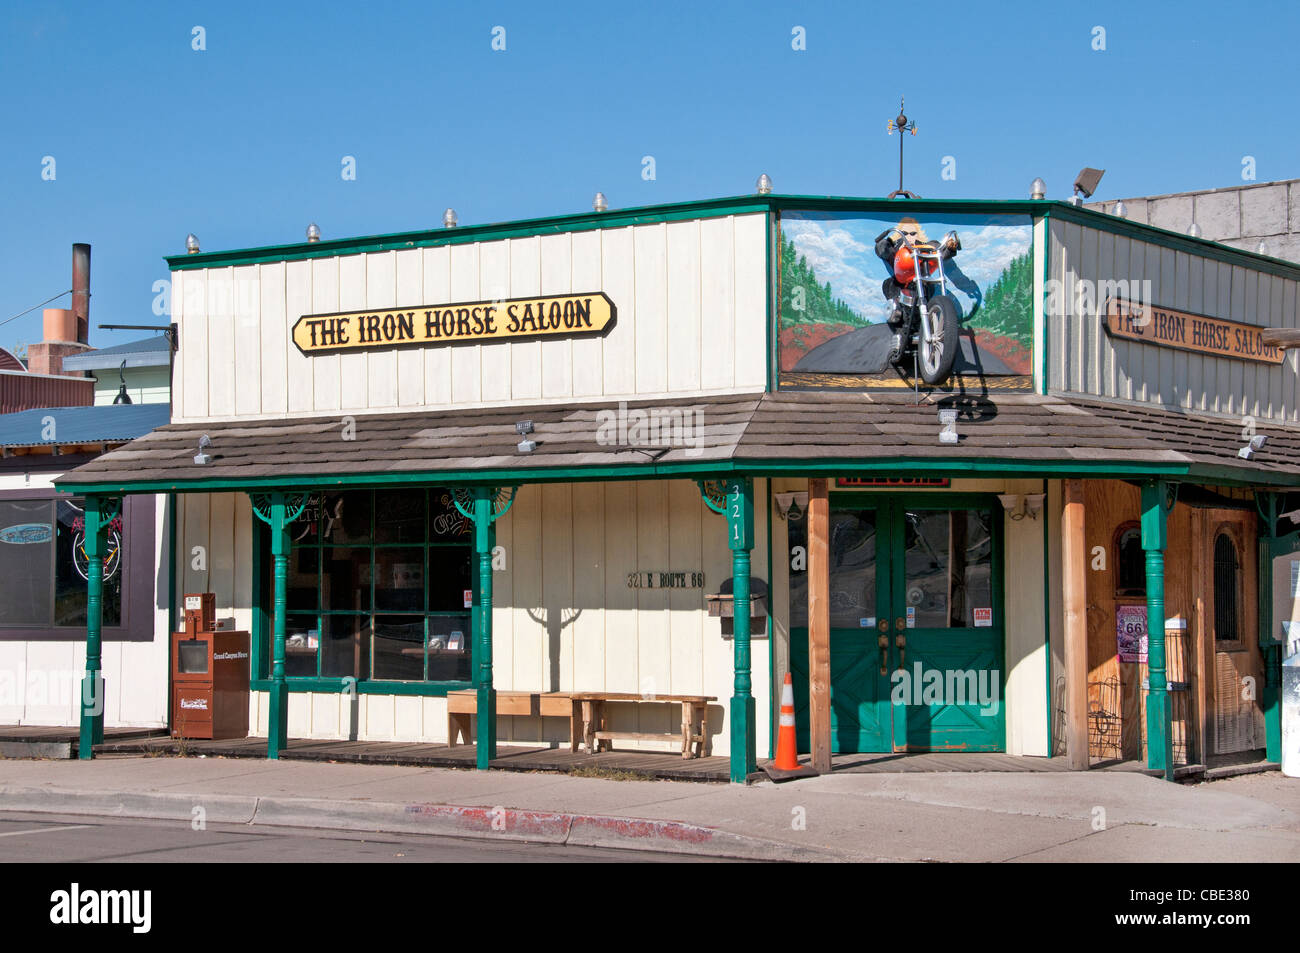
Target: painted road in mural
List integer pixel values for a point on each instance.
(833, 306)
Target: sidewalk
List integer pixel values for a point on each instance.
(1095, 816)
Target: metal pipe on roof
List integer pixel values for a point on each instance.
(81, 290)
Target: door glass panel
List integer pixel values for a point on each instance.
(853, 569)
(948, 574)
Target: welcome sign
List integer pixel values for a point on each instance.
(1189, 332)
(465, 322)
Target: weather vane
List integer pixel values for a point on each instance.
(902, 124)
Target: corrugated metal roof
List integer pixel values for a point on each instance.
(147, 352)
(71, 425)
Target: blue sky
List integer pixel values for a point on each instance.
(242, 143)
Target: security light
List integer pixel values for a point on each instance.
(1256, 444)
(1038, 189)
(449, 218)
(1194, 230)
(1087, 180)
(523, 426)
(201, 458)
(191, 244)
(526, 446)
(313, 232)
(599, 203)
(791, 505)
(764, 184)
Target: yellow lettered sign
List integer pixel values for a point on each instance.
(459, 323)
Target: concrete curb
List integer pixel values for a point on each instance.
(447, 820)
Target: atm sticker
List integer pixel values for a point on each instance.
(983, 618)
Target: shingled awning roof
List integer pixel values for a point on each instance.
(791, 432)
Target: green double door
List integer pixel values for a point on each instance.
(916, 637)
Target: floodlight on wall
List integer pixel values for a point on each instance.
(202, 458)
(523, 427)
(1038, 189)
(1256, 444)
(526, 445)
(1194, 230)
(599, 204)
(449, 218)
(313, 232)
(791, 505)
(764, 185)
(191, 244)
(948, 422)
(1121, 210)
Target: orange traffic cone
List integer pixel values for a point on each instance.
(786, 747)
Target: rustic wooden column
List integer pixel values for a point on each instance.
(819, 624)
(1074, 565)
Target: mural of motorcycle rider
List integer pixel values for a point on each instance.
(887, 245)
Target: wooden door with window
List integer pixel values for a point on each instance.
(1230, 656)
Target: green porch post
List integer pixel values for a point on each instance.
(485, 738)
(740, 537)
(92, 683)
(1160, 754)
(277, 729)
(1271, 545)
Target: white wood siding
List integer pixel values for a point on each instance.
(690, 298)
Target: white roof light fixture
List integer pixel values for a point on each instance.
(191, 244)
(599, 203)
(1038, 189)
(764, 184)
(203, 458)
(948, 419)
(449, 218)
(1194, 230)
(313, 232)
(1121, 210)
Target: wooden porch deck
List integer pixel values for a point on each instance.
(60, 741)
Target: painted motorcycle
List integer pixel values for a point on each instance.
(925, 317)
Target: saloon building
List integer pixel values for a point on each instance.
(662, 452)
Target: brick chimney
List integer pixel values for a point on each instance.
(66, 330)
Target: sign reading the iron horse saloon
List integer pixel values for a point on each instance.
(1133, 321)
(465, 322)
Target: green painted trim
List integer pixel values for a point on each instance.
(774, 691)
(773, 467)
(337, 686)
(1044, 345)
(91, 728)
(261, 624)
(718, 207)
(773, 273)
(1159, 713)
(464, 234)
(1047, 611)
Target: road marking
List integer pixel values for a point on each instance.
(46, 830)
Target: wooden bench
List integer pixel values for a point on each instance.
(597, 735)
(462, 705)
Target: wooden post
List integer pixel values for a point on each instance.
(819, 625)
(1074, 565)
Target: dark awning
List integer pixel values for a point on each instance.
(787, 433)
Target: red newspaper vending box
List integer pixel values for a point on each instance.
(210, 676)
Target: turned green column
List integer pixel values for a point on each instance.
(485, 739)
(277, 730)
(740, 538)
(1160, 752)
(1271, 545)
(92, 683)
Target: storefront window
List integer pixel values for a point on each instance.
(1227, 585)
(948, 557)
(379, 587)
(44, 568)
